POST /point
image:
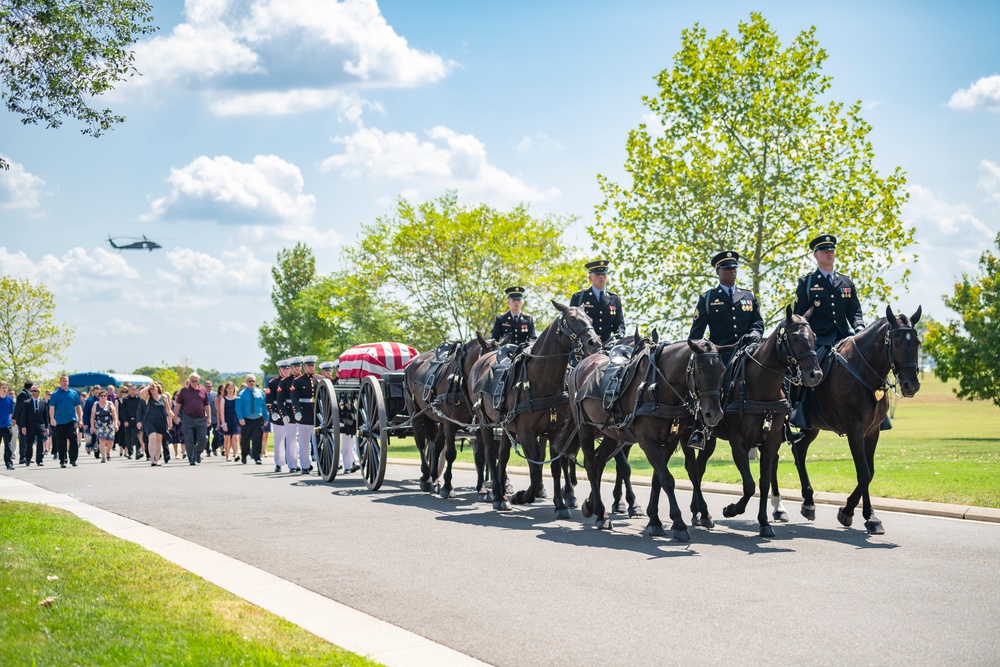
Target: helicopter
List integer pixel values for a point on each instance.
(138, 244)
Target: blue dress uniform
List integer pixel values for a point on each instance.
(606, 314)
(834, 300)
(728, 316)
(520, 328)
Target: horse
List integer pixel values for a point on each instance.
(755, 411)
(853, 401)
(670, 384)
(533, 402)
(437, 392)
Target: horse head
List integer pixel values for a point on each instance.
(574, 325)
(902, 348)
(797, 348)
(704, 378)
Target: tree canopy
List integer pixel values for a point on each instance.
(966, 349)
(750, 155)
(30, 337)
(294, 271)
(57, 55)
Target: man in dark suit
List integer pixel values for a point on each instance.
(731, 315)
(21, 418)
(603, 307)
(33, 426)
(519, 328)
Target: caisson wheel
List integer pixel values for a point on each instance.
(373, 434)
(327, 428)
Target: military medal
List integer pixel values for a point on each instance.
(816, 303)
(611, 309)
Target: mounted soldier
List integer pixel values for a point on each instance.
(603, 307)
(732, 316)
(519, 328)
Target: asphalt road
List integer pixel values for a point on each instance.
(520, 588)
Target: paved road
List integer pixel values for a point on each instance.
(523, 589)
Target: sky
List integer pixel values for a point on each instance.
(259, 123)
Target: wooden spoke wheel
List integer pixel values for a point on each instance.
(373, 432)
(327, 429)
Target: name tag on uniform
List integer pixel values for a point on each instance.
(587, 304)
(816, 288)
(717, 302)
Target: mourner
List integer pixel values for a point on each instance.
(251, 410)
(519, 328)
(731, 315)
(603, 307)
(303, 396)
(283, 448)
(836, 309)
(288, 413)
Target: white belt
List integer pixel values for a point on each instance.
(307, 400)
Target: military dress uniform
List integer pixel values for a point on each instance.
(606, 313)
(274, 400)
(348, 446)
(729, 314)
(519, 328)
(303, 398)
(834, 300)
(288, 414)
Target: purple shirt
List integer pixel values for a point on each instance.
(193, 401)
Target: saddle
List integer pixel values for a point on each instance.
(502, 378)
(442, 356)
(611, 378)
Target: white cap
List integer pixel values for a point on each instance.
(326, 366)
(283, 363)
(294, 361)
(310, 359)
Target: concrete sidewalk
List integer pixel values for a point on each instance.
(969, 512)
(348, 628)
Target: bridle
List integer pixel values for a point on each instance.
(793, 362)
(563, 328)
(694, 392)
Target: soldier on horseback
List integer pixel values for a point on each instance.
(732, 316)
(519, 328)
(603, 307)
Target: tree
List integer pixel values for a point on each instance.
(56, 55)
(294, 271)
(967, 349)
(30, 338)
(440, 267)
(751, 158)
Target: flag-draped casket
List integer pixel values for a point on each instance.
(374, 359)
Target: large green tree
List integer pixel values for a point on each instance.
(749, 153)
(294, 271)
(966, 349)
(440, 267)
(56, 56)
(30, 337)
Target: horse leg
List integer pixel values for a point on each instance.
(864, 469)
(778, 513)
(799, 451)
(872, 523)
(621, 459)
(654, 527)
(695, 462)
(500, 500)
(435, 464)
(527, 496)
(540, 491)
(479, 455)
(569, 470)
(594, 463)
(768, 458)
(447, 491)
(420, 438)
(657, 459)
(556, 467)
(741, 457)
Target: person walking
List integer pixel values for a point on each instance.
(288, 413)
(156, 419)
(19, 419)
(213, 428)
(275, 399)
(31, 426)
(304, 400)
(130, 422)
(66, 417)
(7, 425)
(104, 422)
(196, 415)
(348, 445)
(88, 410)
(230, 424)
(251, 410)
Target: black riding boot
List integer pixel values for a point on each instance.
(886, 424)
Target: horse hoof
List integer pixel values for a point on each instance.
(874, 527)
(729, 511)
(447, 493)
(585, 509)
(521, 498)
(571, 502)
(845, 519)
(488, 497)
(780, 517)
(604, 524)
(501, 506)
(766, 531)
(509, 488)
(436, 488)
(635, 511)
(706, 522)
(542, 493)
(655, 531)
(562, 513)
(809, 512)
(480, 497)
(682, 535)
(425, 486)
(618, 507)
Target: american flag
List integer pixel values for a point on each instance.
(374, 359)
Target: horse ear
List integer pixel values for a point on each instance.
(788, 312)
(809, 313)
(506, 339)
(915, 317)
(482, 341)
(890, 316)
(560, 307)
(656, 335)
(693, 344)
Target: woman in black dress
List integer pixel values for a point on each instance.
(158, 416)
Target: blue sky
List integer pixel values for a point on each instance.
(258, 123)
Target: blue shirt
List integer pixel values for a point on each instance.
(243, 409)
(64, 401)
(87, 407)
(6, 408)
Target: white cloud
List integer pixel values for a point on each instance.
(119, 326)
(18, 188)
(234, 271)
(448, 160)
(294, 54)
(349, 105)
(940, 221)
(265, 191)
(984, 92)
(79, 275)
(285, 235)
(989, 182)
(231, 326)
(538, 142)
(654, 124)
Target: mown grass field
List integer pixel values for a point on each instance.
(941, 449)
(112, 602)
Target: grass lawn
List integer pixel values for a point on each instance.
(940, 449)
(114, 603)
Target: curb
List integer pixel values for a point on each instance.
(920, 507)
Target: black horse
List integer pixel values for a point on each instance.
(669, 385)
(533, 402)
(755, 412)
(437, 394)
(853, 401)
